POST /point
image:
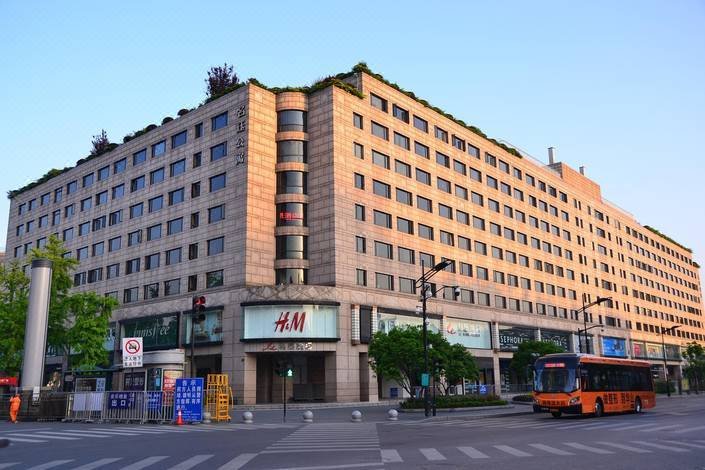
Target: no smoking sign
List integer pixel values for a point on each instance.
(131, 352)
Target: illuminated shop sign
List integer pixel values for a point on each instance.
(290, 321)
(469, 333)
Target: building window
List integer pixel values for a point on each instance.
(87, 181)
(291, 120)
(115, 218)
(420, 124)
(217, 213)
(293, 151)
(130, 295)
(156, 176)
(176, 196)
(445, 211)
(136, 210)
(193, 251)
(359, 181)
(112, 271)
(404, 197)
(219, 121)
(443, 185)
(175, 226)
(380, 131)
(217, 182)
(421, 150)
(378, 102)
(172, 287)
(382, 219)
(219, 151)
(441, 134)
(192, 282)
(58, 194)
(291, 214)
(155, 204)
(158, 149)
(114, 244)
(86, 204)
(71, 187)
(380, 159)
(178, 140)
(139, 157)
(154, 232)
(359, 212)
(400, 113)
(361, 277)
(442, 159)
(151, 261)
(406, 255)
(196, 161)
(358, 151)
(177, 168)
(195, 219)
(402, 168)
(291, 182)
(423, 177)
(402, 141)
(424, 204)
(132, 266)
(137, 183)
(381, 189)
(360, 244)
(216, 246)
(101, 198)
(425, 231)
(118, 191)
(357, 120)
(198, 130)
(151, 291)
(291, 276)
(173, 256)
(458, 143)
(383, 250)
(384, 281)
(134, 238)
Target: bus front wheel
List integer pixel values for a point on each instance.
(637, 405)
(599, 410)
(556, 414)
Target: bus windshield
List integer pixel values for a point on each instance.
(555, 375)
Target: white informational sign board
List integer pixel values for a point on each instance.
(132, 352)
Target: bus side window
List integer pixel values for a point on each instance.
(584, 378)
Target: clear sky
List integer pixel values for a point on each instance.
(616, 86)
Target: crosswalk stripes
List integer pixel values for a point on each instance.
(683, 431)
(432, 454)
(48, 465)
(512, 451)
(659, 428)
(98, 464)
(42, 436)
(551, 450)
(20, 439)
(473, 453)
(660, 446)
(687, 444)
(390, 456)
(144, 463)
(8, 464)
(238, 462)
(625, 447)
(328, 437)
(595, 450)
(192, 462)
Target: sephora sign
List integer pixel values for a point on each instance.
(272, 322)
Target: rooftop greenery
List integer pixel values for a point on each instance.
(666, 237)
(333, 80)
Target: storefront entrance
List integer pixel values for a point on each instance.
(306, 385)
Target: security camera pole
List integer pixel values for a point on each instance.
(585, 317)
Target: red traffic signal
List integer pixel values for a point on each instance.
(199, 302)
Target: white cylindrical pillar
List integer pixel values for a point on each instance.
(35, 335)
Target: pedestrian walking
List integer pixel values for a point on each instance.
(15, 403)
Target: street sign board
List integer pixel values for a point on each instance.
(188, 398)
(121, 400)
(132, 352)
(425, 380)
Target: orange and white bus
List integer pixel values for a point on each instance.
(585, 384)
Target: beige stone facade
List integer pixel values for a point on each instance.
(330, 203)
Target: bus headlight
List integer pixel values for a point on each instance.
(574, 401)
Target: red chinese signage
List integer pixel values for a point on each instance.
(8, 381)
(286, 215)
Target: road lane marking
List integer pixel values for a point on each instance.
(432, 454)
(8, 464)
(473, 453)
(47, 437)
(52, 464)
(238, 462)
(140, 464)
(659, 446)
(682, 431)
(660, 428)
(330, 449)
(551, 450)
(334, 467)
(71, 434)
(687, 444)
(625, 447)
(390, 456)
(512, 451)
(590, 426)
(107, 433)
(21, 439)
(98, 464)
(595, 450)
(634, 426)
(192, 462)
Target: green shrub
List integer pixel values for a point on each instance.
(457, 401)
(660, 386)
(167, 119)
(183, 111)
(523, 398)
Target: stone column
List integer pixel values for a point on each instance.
(35, 336)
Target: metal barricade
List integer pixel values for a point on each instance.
(121, 406)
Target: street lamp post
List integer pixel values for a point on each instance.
(663, 348)
(422, 282)
(585, 317)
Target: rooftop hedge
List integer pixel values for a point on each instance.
(333, 80)
(666, 237)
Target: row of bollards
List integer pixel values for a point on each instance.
(356, 417)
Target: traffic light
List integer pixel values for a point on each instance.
(278, 368)
(199, 303)
(289, 370)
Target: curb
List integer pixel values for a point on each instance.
(456, 410)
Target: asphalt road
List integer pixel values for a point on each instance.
(672, 436)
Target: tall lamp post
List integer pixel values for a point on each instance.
(663, 348)
(425, 287)
(585, 317)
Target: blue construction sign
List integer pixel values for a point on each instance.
(188, 398)
(121, 400)
(154, 400)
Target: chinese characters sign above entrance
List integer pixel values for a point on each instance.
(290, 321)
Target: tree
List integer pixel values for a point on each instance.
(528, 352)
(694, 370)
(100, 143)
(398, 355)
(14, 291)
(221, 80)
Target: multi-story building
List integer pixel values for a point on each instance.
(304, 217)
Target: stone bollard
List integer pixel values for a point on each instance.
(356, 417)
(247, 417)
(206, 417)
(392, 415)
(308, 416)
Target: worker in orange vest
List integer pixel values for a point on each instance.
(15, 403)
